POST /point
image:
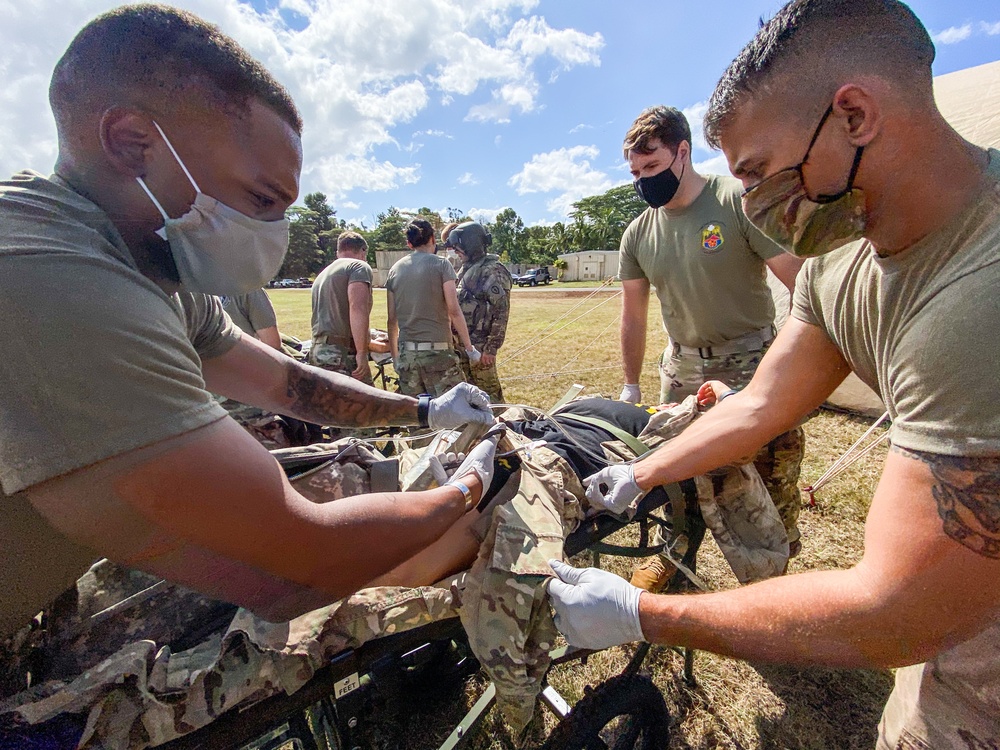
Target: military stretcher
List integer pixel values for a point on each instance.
(326, 708)
(325, 711)
(328, 713)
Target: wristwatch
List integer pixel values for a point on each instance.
(424, 410)
(727, 394)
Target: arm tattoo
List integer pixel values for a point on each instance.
(332, 399)
(967, 493)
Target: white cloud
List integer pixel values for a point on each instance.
(365, 173)
(578, 128)
(484, 215)
(990, 29)
(714, 165)
(566, 171)
(511, 65)
(467, 179)
(506, 99)
(695, 115)
(433, 134)
(390, 60)
(533, 37)
(953, 34)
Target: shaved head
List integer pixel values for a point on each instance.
(157, 59)
(812, 47)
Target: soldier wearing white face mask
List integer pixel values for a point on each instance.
(168, 130)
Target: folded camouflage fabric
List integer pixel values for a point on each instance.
(145, 695)
(734, 503)
(505, 608)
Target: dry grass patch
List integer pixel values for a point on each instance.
(734, 704)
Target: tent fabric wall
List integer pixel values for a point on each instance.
(970, 101)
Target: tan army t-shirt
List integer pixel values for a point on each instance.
(97, 361)
(416, 283)
(331, 307)
(922, 328)
(251, 312)
(706, 263)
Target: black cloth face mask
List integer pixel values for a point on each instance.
(661, 188)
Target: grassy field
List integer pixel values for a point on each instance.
(553, 342)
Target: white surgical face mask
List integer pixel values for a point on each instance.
(217, 249)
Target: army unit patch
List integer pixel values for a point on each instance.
(711, 237)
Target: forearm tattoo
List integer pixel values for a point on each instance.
(967, 493)
(330, 399)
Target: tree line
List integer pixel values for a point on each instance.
(596, 223)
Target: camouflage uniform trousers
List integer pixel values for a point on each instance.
(505, 609)
(780, 461)
(482, 377)
(432, 372)
(336, 358)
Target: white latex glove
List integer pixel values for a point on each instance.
(479, 461)
(437, 470)
(613, 488)
(474, 355)
(594, 608)
(461, 405)
(631, 393)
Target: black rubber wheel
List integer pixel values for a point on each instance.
(623, 713)
(534, 282)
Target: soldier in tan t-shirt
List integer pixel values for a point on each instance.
(253, 313)
(341, 311)
(178, 157)
(708, 265)
(829, 120)
(423, 309)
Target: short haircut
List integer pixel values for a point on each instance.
(419, 232)
(817, 45)
(667, 125)
(352, 242)
(152, 57)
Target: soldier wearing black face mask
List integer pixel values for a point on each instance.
(707, 262)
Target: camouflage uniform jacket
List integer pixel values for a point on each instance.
(484, 296)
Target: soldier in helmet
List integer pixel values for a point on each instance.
(484, 296)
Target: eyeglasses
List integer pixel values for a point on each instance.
(797, 169)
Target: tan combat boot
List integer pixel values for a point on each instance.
(653, 574)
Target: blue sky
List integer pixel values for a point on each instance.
(457, 103)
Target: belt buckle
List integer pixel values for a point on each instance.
(702, 350)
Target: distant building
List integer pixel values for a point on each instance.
(590, 265)
(384, 260)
